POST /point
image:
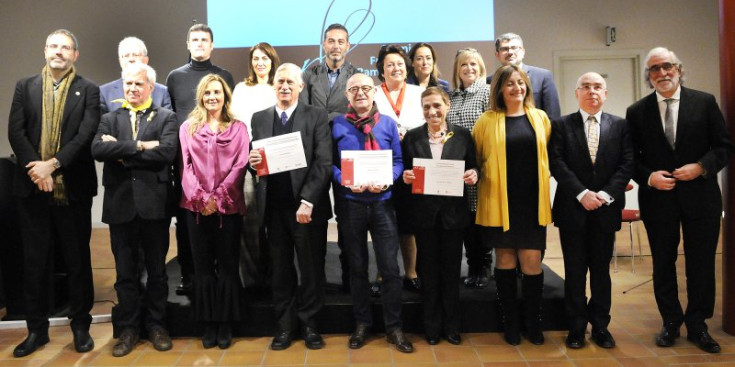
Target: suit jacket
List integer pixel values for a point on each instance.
(317, 92)
(78, 125)
(136, 183)
(310, 183)
(454, 211)
(571, 166)
(114, 90)
(545, 95)
(701, 136)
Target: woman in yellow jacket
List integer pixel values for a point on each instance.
(513, 205)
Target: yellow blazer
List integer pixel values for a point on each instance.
(492, 189)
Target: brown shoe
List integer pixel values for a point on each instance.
(125, 343)
(160, 339)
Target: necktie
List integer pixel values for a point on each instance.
(669, 123)
(593, 137)
(135, 121)
(284, 118)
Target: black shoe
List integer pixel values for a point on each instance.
(282, 340)
(667, 336)
(224, 335)
(30, 344)
(160, 339)
(470, 281)
(184, 288)
(402, 344)
(209, 338)
(375, 289)
(483, 280)
(575, 340)
(704, 341)
(125, 343)
(453, 338)
(432, 339)
(312, 339)
(412, 284)
(603, 338)
(83, 342)
(358, 338)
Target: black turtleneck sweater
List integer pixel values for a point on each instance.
(182, 85)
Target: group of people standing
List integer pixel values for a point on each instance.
(189, 143)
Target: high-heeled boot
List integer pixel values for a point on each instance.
(532, 287)
(507, 286)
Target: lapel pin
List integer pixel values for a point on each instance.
(77, 93)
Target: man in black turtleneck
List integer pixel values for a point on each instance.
(182, 84)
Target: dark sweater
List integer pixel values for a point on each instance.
(182, 85)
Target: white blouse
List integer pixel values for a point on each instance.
(249, 99)
(412, 115)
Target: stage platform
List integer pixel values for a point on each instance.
(479, 306)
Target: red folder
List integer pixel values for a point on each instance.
(263, 166)
(348, 171)
(418, 183)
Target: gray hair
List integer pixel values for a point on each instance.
(662, 51)
(505, 37)
(293, 70)
(66, 33)
(131, 43)
(137, 67)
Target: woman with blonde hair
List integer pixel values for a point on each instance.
(214, 147)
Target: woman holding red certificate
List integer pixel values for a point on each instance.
(402, 102)
(214, 147)
(440, 221)
(513, 199)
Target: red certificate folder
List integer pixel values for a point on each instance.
(348, 171)
(418, 183)
(263, 166)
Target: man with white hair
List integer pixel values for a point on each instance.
(680, 143)
(130, 50)
(137, 144)
(295, 208)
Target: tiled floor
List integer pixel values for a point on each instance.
(635, 321)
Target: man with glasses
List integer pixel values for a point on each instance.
(680, 143)
(53, 118)
(509, 50)
(368, 207)
(591, 158)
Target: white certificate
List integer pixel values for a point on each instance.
(441, 177)
(363, 167)
(280, 153)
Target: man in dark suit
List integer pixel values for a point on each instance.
(591, 158)
(680, 143)
(324, 86)
(509, 50)
(295, 207)
(138, 143)
(130, 50)
(55, 182)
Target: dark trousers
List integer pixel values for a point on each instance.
(479, 253)
(135, 309)
(440, 251)
(294, 302)
(343, 259)
(183, 245)
(255, 269)
(215, 246)
(700, 243)
(587, 248)
(44, 227)
(379, 218)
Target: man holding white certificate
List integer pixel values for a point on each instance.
(361, 138)
(295, 207)
(438, 157)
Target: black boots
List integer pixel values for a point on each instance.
(532, 289)
(507, 286)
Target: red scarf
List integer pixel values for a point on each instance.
(398, 105)
(365, 124)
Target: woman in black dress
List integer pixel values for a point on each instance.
(513, 196)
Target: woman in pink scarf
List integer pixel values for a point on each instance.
(214, 147)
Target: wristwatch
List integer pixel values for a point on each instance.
(56, 164)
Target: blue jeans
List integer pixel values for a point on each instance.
(378, 217)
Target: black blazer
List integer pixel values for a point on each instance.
(571, 166)
(136, 183)
(454, 211)
(312, 182)
(78, 125)
(701, 136)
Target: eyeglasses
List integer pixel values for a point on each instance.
(364, 88)
(666, 66)
(509, 48)
(591, 87)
